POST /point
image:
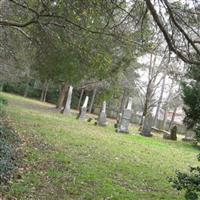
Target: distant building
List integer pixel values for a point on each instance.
(180, 115)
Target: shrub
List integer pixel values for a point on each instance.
(3, 101)
(8, 141)
(190, 182)
(6, 161)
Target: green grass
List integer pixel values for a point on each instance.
(68, 159)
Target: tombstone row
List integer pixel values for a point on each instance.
(123, 120)
(124, 117)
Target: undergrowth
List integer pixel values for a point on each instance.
(8, 143)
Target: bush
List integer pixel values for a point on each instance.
(3, 101)
(8, 142)
(190, 182)
(35, 93)
(6, 161)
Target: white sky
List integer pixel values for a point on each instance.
(145, 60)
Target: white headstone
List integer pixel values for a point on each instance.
(83, 110)
(125, 118)
(130, 102)
(102, 121)
(104, 107)
(68, 102)
(85, 102)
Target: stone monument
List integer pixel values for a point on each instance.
(190, 136)
(125, 118)
(147, 125)
(102, 121)
(172, 135)
(68, 102)
(82, 113)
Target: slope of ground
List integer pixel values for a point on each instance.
(68, 159)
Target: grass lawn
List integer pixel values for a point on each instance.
(68, 159)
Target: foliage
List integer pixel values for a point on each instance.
(191, 98)
(190, 182)
(6, 159)
(73, 42)
(33, 92)
(3, 101)
(8, 140)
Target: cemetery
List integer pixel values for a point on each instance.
(52, 133)
(99, 100)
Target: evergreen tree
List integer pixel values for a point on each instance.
(190, 182)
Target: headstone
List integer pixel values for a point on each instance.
(190, 136)
(125, 118)
(147, 125)
(102, 121)
(68, 102)
(82, 114)
(166, 135)
(173, 133)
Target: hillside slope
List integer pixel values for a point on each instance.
(68, 159)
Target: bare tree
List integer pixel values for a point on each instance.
(180, 26)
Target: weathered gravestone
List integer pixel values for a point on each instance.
(102, 121)
(82, 113)
(147, 125)
(125, 118)
(190, 136)
(68, 102)
(172, 135)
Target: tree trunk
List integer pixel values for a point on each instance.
(172, 119)
(46, 91)
(62, 94)
(143, 114)
(175, 109)
(146, 103)
(164, 119)
(42, 93)
(59, 96)
(80, 99)
(141, 122)
(160, 100)
(26, 89)
(123, 101)
(1, 86)
(92, 100)
(166, 106)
